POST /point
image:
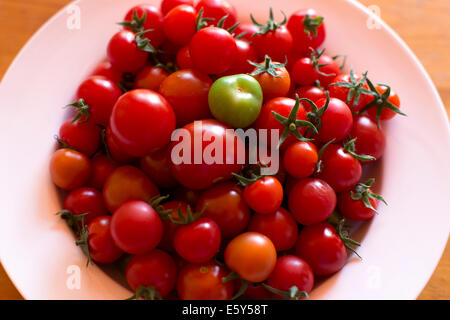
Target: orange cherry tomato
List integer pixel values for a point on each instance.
(69, 169)
(150, 78)
(273, 78)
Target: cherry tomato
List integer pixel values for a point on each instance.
(124, 54)
(204, 282)
(69, 169)
(307, 30)
(150, 78)
(187, 92)
(82, 136)
(279, 227)
(115, 151)
(291, 271)
(265, 195)
(305, 73)
(266, 120)
(85, 200)
(249, 28)
(355, 209)
(224, 204)
(180, 24)
(337, 121)
(156, 166)
(217, 9)
(311, 201)
(184, 58)
(244, 53)
(127, 183)
(167, 5)
(320, 246)
(102, 248)
(342, 92)
(212, 42)
(203, 175)
(136, 227)
(153, 22)
(142, 121)
(370, 139)
(274, 84)
(252, 255)
(169, 227)
(300, 159)
(312, 93)
(100, 94)
(156, 269)
(199, 241)
(386, 114)
(340, 169)
(106, 70)
(102, 167)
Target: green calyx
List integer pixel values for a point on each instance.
(363, 193)
(355, 88)
(339, 223)
(292, 294)
(146, 293)
(319, 165)
(315, 115)
(136, 24)
(244, 284)
(82, 110)
(268, 66)
(221, 23)
(311, 24)
(315, 56)
(291, 124)
(201, 21)
(349, 147)
(270, 25)
(380, 102)
(144, 43)
(155, 203)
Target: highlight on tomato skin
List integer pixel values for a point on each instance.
(164, 161)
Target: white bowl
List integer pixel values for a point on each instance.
(400, 247)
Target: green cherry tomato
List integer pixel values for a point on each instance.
(236, 100)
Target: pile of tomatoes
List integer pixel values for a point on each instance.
(219, 230)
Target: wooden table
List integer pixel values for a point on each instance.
(423, 24)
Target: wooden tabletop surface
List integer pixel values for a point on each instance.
(423, 24)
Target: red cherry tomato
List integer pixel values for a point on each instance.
(69, 169)
(300, 159)
(184, 58)
(170, 228)
(305, 73)
(244, 53)
(82, 136)
(115, 151)
(266, 120)
(179, 24)
(312, 93)
(355, 209)
(136, 227)
(106, 70)
(199, 241)
(156, 269)
(150, 78)
(212, 42)
(251, 255)
(187, 92)
(124, 54)
(127, 183)
(249, 28)
(337, 121)
(342, 92)
(224, 204)
(204, 282)
(265, 195)
(386, 114)
(320, 246)
(311, 201)
(304, 33)
(291, 271)
(85, 200)
(142, 121)
(102, 167)
(370, 139)
(167, 5)
(102, 248)
(274, 43)
(156, 166)
(217, 9)
(100, 94)
(203, 175)
(280, 227)
(153, 22)
(340, 169)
